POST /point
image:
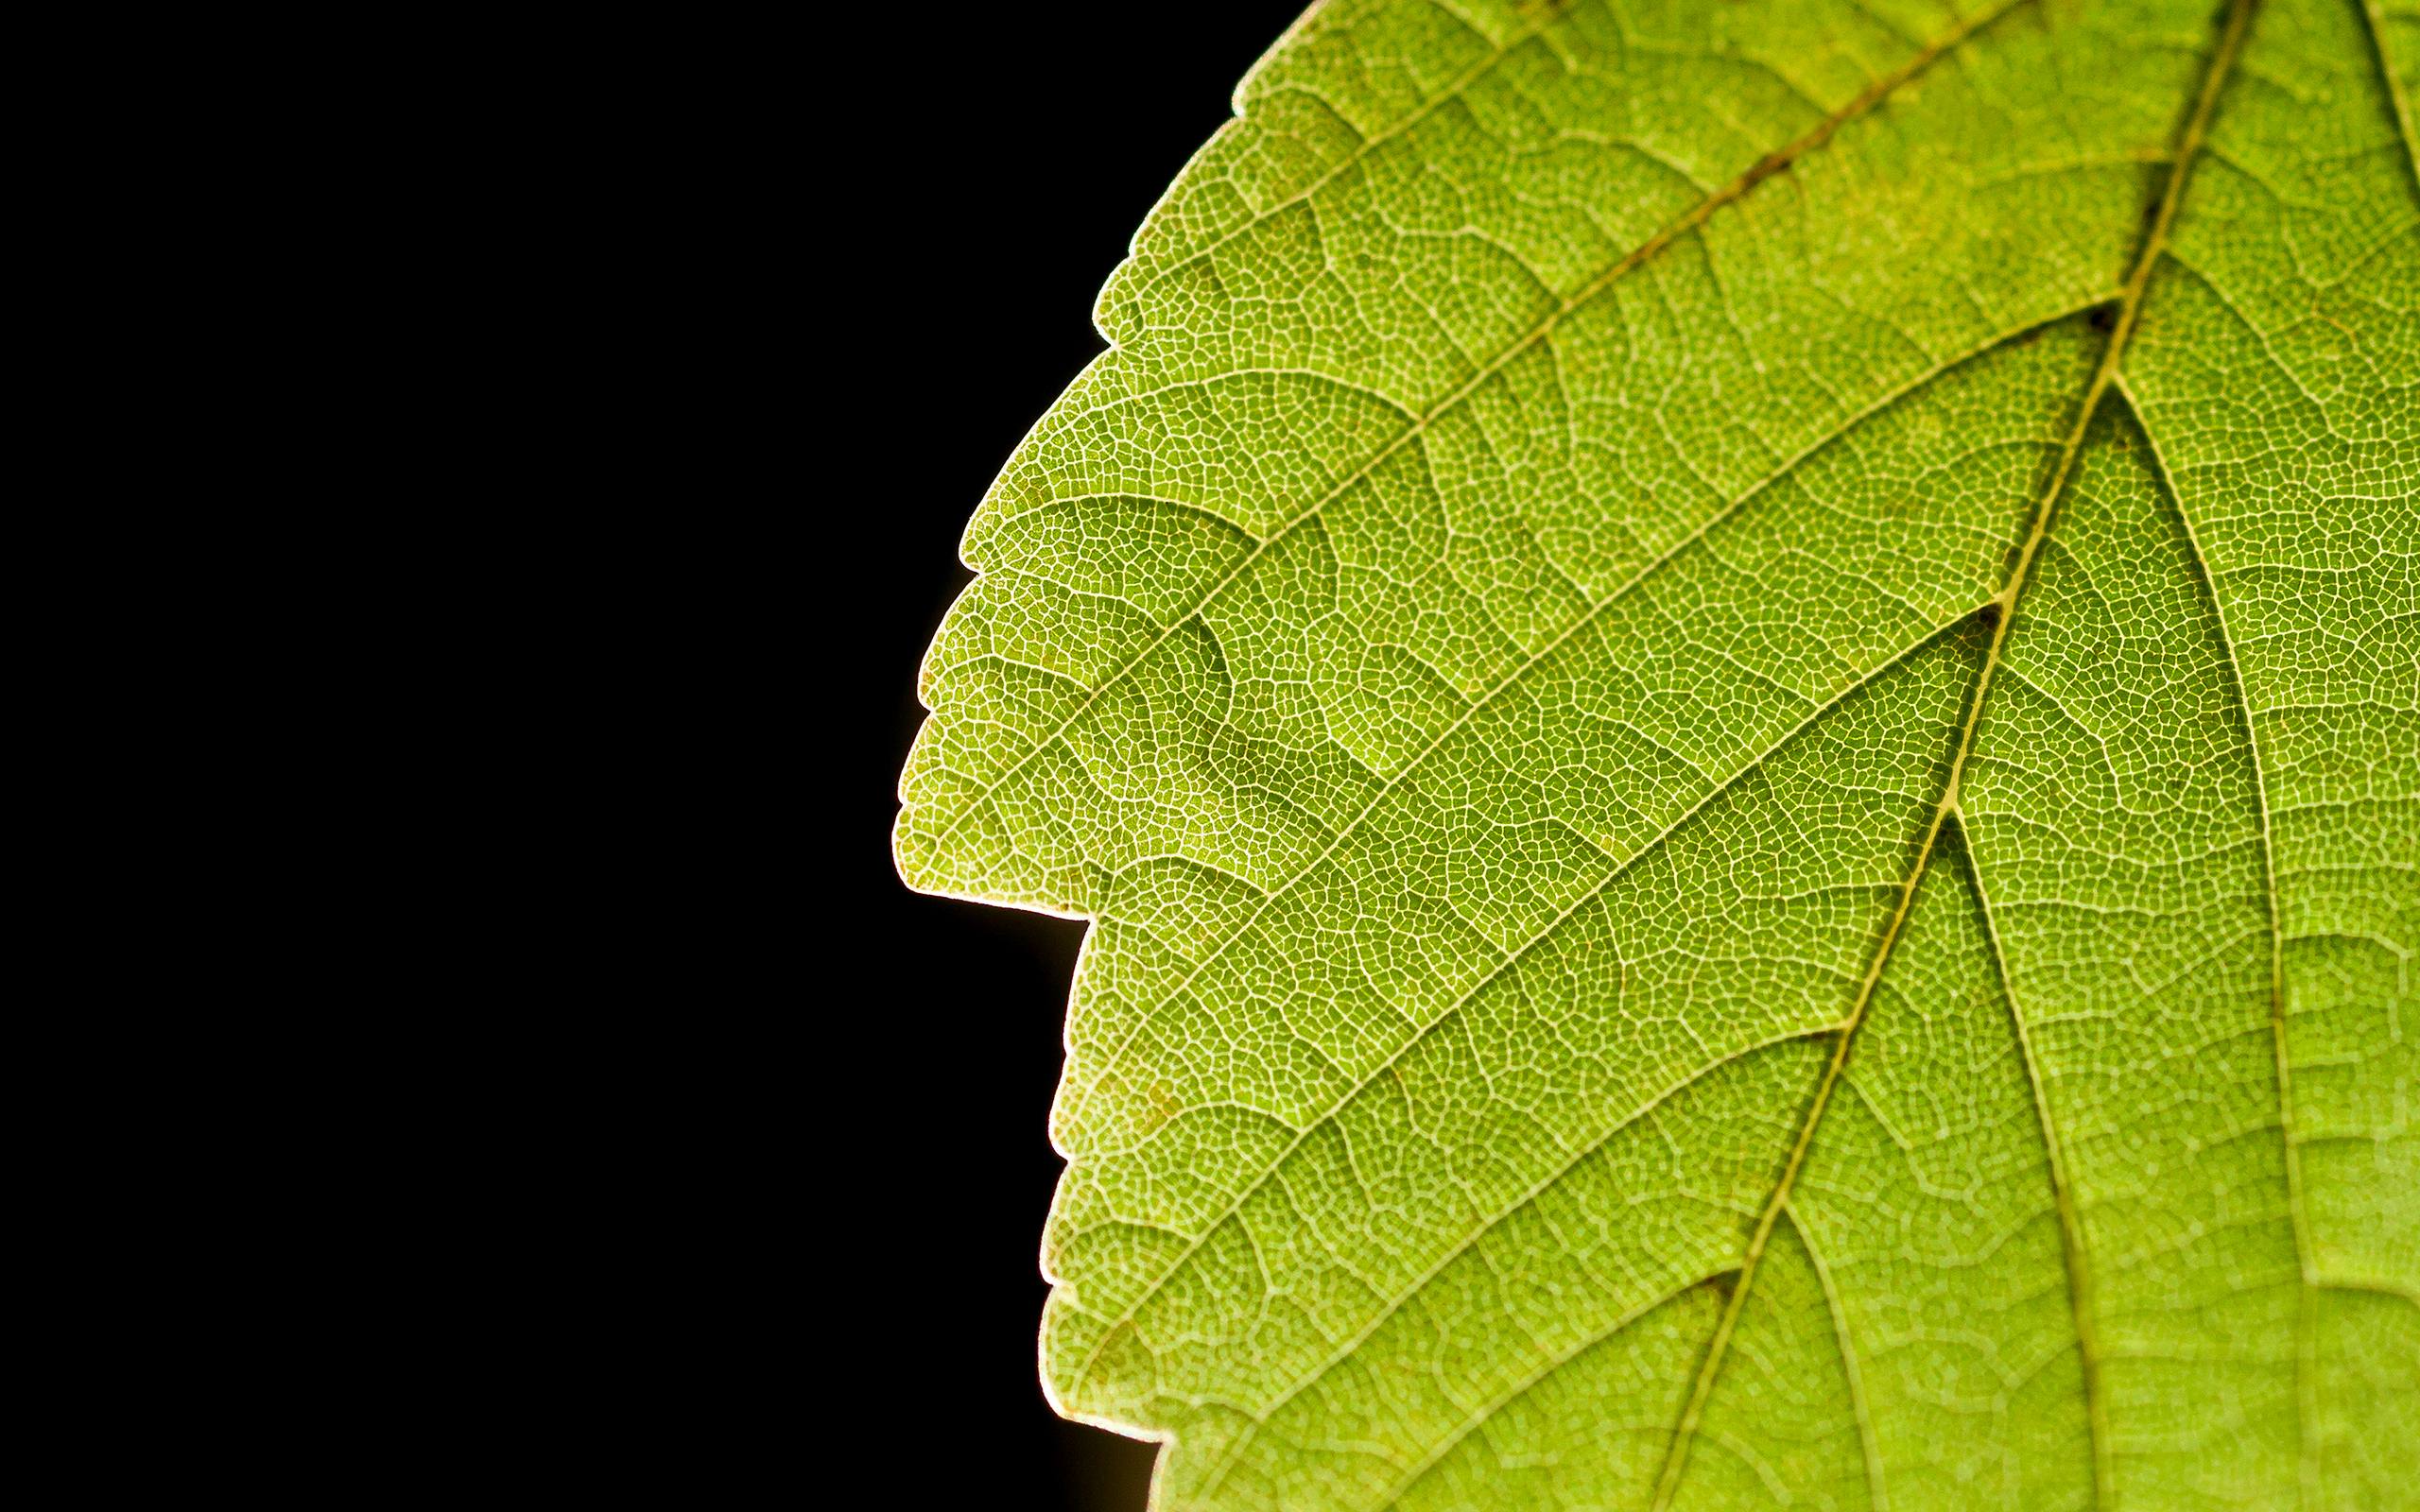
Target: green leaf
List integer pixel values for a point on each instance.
(1733, 686)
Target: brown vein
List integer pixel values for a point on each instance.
(1676, 1459)
(2155, 238)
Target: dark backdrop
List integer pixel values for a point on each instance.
(1024, 145)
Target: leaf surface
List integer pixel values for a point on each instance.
(1733, 687)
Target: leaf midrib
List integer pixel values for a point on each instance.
(2235, 28)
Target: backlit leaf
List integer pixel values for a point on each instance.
(1733, 686)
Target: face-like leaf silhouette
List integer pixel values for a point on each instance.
(1734, 689)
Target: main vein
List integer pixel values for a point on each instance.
(2002, 615)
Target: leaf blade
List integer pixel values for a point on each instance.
(1395, 769)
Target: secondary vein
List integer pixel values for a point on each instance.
(1765, 167)
(1530, 663)
(1234, 1205)
(2306, 1317)
(1874, 1495)
(2080, 1291)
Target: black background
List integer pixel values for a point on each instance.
(1041, 137)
